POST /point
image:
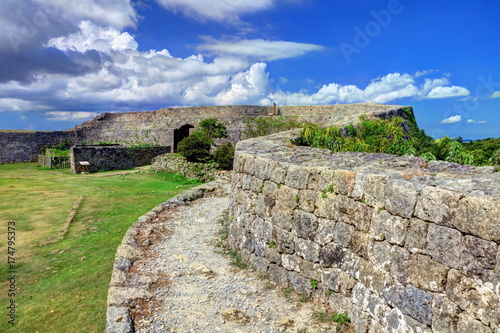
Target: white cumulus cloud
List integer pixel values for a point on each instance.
(451, 120)
(70, 115)
(445, 92)
(262, 50)
(472, 121)
(496, 94)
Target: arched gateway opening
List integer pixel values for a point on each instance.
(181, 133)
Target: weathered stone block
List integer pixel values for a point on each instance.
(288, 197)
(307, 249)
(361, 216)
(300, 284)
(343, 234)
(297, 177)
(277, 172)
(400, 197)
(389, 227)
(282, 216)
(343, 181)
(260, 248)
(445, 245)
(305, 224)
(264, 206)
(338, 281)
(310, 270)
(416, 239)
(359, 186)
(361, 244)
(370, 302)
(372, 277)
(467, 323)
(340, 303)
(256, 185)
(307, 200)
(291, 262)
(270, 189)
(479, 216)
(118, 320)
(445, 314)
(332, 255)
(374, 189)
(479, 258)
(325, 232)
(412, 301)
(315, 180)
(325, 205)
(272, 256)
(396, 322)
(437, 205)
(259, 263)
(278, 274)
(427, 274)
(400, 264)
(477, 300)
(284, 241)
(381, 255)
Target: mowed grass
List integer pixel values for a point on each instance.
(62, 286)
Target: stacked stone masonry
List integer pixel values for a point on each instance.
(399, 244)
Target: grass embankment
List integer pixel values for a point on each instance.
(63, 278)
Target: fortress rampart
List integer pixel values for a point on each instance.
(399, 244)
(166, 127)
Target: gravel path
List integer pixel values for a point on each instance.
(204, 292)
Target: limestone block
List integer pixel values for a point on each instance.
(400, 264)
(310, 270)
(361, 244)
(307, 200)
(300, 284)
(400, 197)
(427, 274)
(412, 301)
(260, 247)
(437, 205)
(360, 216)
(277, 172)
(261, 170)
(361, 319)
(315, 181)
(246, 182)
(297, 177)
(307, 249)
(372, 277)
(258, 228)
(288, 197)
(290, 262)
(389, 227)
(284, 241)
(477, 300)
(479, 258)
(250, 165)
(325, 179)
(370, 302)
(259, 263)
(359, 186)
(264, 206)
(416, 239)
(479, 216)
(343, 181)
(333, 255)
(270, 189)
(396, 321)
(305, 224)
(340, 303)
(248, 241)
(338, 281)
(326, 205)
(467, 323)
(282, 216)
(445, 314)
(445, 245)
(278, 274)
(343, 234)
(256, 184)
(374, 189)
(123, 295)
(325, 232)
(381, 255)
(118, 320)
(272, 256)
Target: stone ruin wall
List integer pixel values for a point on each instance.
(113, 158)
(157, 127)
(399, 244)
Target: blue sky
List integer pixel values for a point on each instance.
(62, 62)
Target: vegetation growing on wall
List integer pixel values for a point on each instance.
(261, 126)
(396, 136)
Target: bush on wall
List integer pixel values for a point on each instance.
(194, 148)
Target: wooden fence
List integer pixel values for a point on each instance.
(54, 162)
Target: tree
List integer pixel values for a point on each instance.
(212, 129)
(194, 148)
(224, 156)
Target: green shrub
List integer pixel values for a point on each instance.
(224, 156)
(212, 129)
(194, 148)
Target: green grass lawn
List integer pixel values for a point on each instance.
(62, 282)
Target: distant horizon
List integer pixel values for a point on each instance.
(62, 65)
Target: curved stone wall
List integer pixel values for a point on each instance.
(399, 244)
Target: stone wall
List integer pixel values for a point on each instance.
(158, 127)
(113, 158)
(399, 244)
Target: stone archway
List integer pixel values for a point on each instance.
(181, 133)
